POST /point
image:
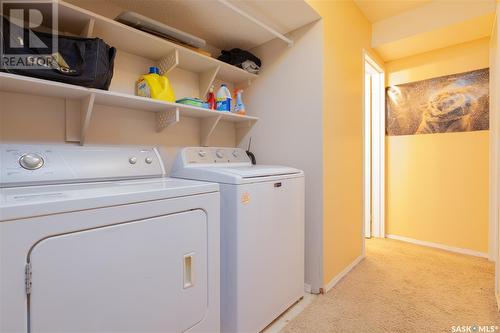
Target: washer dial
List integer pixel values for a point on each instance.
(219, 153)
(31, 161)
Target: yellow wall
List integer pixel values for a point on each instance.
(437, 184)
(346, 33)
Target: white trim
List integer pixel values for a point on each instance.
(382, 157)
(494, 166)
(372, 62)
(497, 296)
(493, 232)
(439, 246)
(363, 176)
(339, 276)
(367, 174)
(493, 246)
(279, 323)
(376, 174)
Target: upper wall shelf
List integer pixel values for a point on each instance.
(166, 113)
(224, 24)
(83, 22)
(80, 101)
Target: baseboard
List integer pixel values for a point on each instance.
(439, 246)
(339, 276)
(307, 288)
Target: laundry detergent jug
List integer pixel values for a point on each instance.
(156, 86)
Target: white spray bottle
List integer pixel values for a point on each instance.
(239, 107)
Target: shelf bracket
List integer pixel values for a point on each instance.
(88, 30)
(208, 126)
(87, 105)
(257, 22)
(206, 80)
(169, 62)
(167, 118)
(242, 129)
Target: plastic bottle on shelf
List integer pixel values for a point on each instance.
(223, 99)
(156, 86)
(212, 104)
(239, 107)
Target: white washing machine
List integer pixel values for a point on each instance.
(96, 239)
(262, 234)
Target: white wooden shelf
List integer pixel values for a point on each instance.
(83, 22)
(80, 101)
(166, 113)
(244, 24)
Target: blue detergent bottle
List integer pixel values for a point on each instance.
(223, 99)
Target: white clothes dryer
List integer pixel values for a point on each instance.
(97, 239)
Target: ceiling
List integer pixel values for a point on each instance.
(376, 10)
(466, 31)
(405, 28)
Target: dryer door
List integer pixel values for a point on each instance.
(142, 276)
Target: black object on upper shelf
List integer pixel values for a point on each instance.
(242, 59)
(86, 62)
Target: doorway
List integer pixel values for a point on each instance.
(373, 149)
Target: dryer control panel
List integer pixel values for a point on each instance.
(22, 165)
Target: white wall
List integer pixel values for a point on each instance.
(28, 118)
(288, 99)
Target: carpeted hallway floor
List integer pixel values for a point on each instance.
(402, 287)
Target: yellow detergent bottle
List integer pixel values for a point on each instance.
(156, 86)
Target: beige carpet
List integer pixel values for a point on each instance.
(402, 287)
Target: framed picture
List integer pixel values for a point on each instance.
(452, 103)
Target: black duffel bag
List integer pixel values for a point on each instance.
(86, 62)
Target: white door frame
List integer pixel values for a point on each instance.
(373, 148)
(494, 196)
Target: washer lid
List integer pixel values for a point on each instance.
(226, 165)
(258, 171)
(30, 201)
(242, 174)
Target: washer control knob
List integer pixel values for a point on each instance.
(202, 153)
(132, 160)
(149, 160)
(219, 153)
(31, 161)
